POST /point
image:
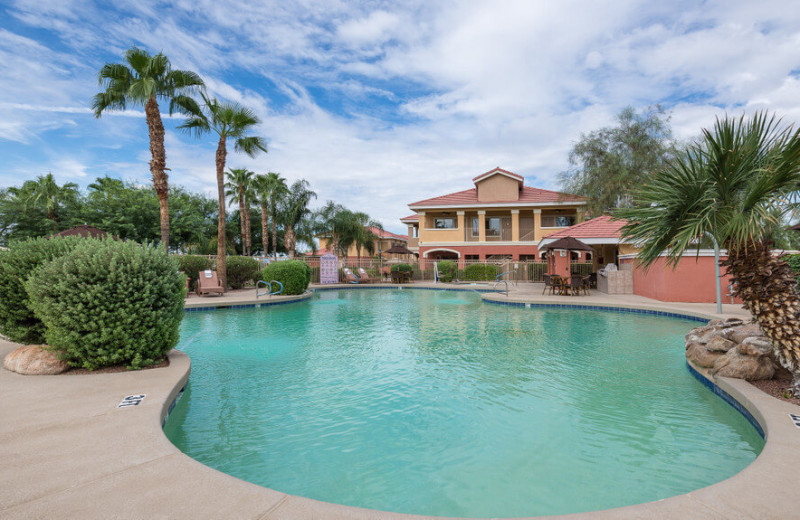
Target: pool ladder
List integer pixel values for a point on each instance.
(268, 286)
(498, 281)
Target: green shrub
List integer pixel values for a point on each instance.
(295, 275)
(403, 268)
(17, 320)
(109, 302)
(241, 270)
(480, 272)
(447, 270)
(192, 265)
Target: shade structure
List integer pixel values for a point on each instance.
(570, 244)
(796, 227)
(82, 231)
(400, 250)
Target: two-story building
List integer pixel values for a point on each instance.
(499, 219)
(384, 240)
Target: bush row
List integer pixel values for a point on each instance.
(295, 275)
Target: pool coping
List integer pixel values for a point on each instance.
(174, 485)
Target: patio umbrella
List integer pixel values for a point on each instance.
(82, 231)
(570, 244)
(400, 250)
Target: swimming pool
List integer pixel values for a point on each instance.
(432, 402)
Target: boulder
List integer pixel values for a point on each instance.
(736, 364)
(701, 356)
(719, 344)
(755, 346)
(33, 360)
(739, 334)
(732, 322)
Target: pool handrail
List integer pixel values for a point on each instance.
(268, 286)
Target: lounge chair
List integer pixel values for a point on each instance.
(364, 277)
(349, 277)
(207, 283)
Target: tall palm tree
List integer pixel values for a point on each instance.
(228, 121)
(733, 185)
(268, 190)
(143, 79)
(45, 193)
(293, 208)
(239, 181)
(331, 220)
(365, 238)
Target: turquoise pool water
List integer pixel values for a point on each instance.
(432, 402)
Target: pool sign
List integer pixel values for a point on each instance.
(795, 419)
(328, 269)
(131, 400)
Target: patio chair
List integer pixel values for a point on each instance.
(586, 283)
(364, 277)
(575, 283)
(548, 284)
(349, 277)
(593, 281)
(208, 283)
(557, 285)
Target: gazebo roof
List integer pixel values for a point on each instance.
(570, 244)
(398, 249)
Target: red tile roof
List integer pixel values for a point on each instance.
(410, 218)
(386, 234)
(527, 195)
(600, 227)
(499, 170)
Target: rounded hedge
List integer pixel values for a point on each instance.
(403, 268)
(109, 302)
(295, 275)
(17, 321)
(447, 270)
(241, 270)
(191, 265)
(480, 272)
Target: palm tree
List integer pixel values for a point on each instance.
(228, 121)
(45, 193)
(365, 237)
(293, 208)
(268, 189)
(144, 80)
(331, 220)
(733, 185)
(239, 181)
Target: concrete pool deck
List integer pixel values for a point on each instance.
(67, 451)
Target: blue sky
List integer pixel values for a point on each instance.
(378, 104)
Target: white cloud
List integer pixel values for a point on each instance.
(381, 106)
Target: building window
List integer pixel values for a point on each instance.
(444, 223)
(558, 220)
(475, 227)
(493, 228)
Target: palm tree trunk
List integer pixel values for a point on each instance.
(222, 265)
(247, 228)
(769, 291)
(289, 240)
(274, 232)
(264, 230)
(158, 163)
(241, 219)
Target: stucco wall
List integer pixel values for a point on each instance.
(691, 281)
(497, 188)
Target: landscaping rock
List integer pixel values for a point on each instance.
(719, 344)
(736, 364)
(739, 334)
(701, 356)
(33, 360)
(755, 346)
(733, 322)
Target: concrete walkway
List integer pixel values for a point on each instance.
(68, 451)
